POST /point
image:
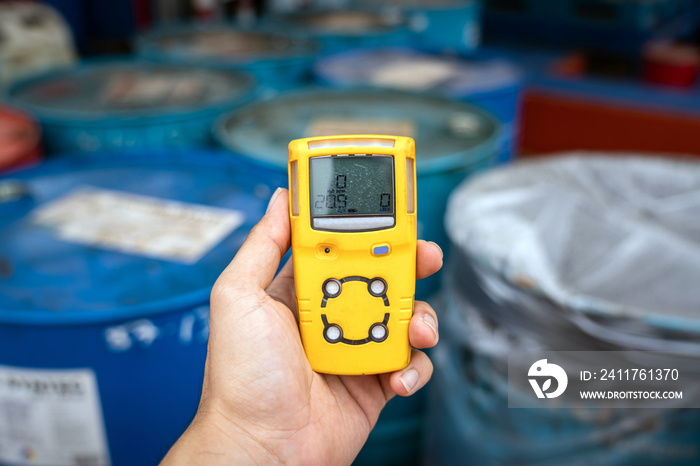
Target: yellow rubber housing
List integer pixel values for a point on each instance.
(322, 255)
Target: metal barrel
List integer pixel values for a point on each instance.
(579, 253)
(493, 83)
(278, 60)
(442, 26)
(107, 106)
(339, 30)
(106, 266)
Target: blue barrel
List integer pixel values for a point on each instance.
(453, 139)
(581, 253)
(442, 26)
(122, 106)
(492, 83)
(106, 265)
(341, 30)
(277, 60)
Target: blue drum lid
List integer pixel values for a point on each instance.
(448, 134)
(86, 240)
(343, 22)
(408, 70)
(131, 89)
(226, 44)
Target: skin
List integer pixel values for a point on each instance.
(261, 402)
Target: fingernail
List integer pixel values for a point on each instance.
(438, 246)
(409, 379)
(430, 322)
(274, 197)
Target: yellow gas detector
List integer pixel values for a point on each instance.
(353, 217)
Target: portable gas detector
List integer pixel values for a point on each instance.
(353, 217)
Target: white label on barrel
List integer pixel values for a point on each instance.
(146, 226)
(332, 125)
(413, 74)
(51, 417)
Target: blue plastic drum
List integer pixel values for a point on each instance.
(341, 30)
(106, 266)
(492, 83)
(277, 60)
(124, 106)
(444, 26)
(453, 139)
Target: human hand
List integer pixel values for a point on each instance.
(261, 401)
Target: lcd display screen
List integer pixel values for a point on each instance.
(352, 185)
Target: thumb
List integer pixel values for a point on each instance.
(256, 262)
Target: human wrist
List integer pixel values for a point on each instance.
(212, 439)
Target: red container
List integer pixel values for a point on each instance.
(671, 64)
(20, 139)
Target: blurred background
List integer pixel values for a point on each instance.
(140, 140)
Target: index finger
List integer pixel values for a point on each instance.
(428, 258)
(257, 260)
